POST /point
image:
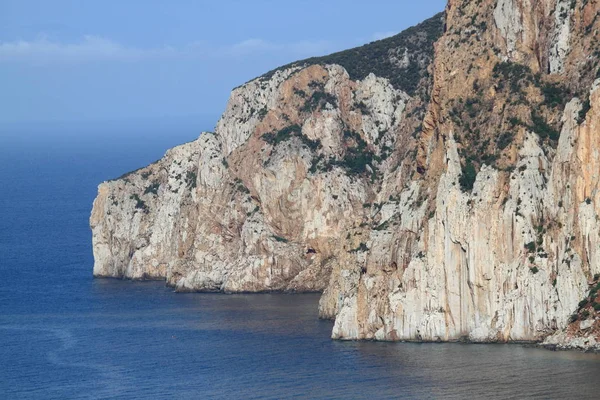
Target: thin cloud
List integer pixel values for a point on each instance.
(96, 48)
(89, 48)
(249, 46)
(383, 35)
(308, 48)
(259, 46)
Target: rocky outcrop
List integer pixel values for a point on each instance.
(439, 193)
(583, 329)
(493, 248)
(266, 201)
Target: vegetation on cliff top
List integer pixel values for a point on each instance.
(402, 58)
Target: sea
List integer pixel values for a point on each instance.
(65, 335)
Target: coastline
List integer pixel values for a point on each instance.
(573, 344)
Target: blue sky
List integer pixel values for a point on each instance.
(89, 60)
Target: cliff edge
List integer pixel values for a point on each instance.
(438, 185)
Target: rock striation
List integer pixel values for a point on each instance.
(445, 189)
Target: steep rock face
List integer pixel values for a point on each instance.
(441, 192)
(475, 273)
(493, 248)
(263, 203)
(127, 235)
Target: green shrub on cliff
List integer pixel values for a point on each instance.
(190, 179)
(357, 156)
(274, 138)
(318, 100)
(280, 239)
(382, 57)
(467, 179)
(153, 188)
(542, 128)
(139, 203)
(585, 107)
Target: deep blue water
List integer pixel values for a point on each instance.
(66, 335)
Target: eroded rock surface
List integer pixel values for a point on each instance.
(453, 196)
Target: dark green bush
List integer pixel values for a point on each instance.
(311, 144)
(299, 92)
(361, 247)
(573, 318)
(239, 185)
(153, 188)
(382, 226)
(287, 133)
(355, 161)
(513, 74)
(504, 140)
(315, 164)
(357, 155)
(515, 121)
(554, 95)
(542, 128)
(280, 239)
(190, 179)
(362, 107)
(318, 100)
(282, 135)
(139, 203)
(467, 179)
(530, 247)
(263, 112)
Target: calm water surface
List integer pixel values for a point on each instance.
(65, 335)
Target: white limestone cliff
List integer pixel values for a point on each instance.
(317, 181)
(229, 212)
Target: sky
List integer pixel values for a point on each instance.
(148, 60)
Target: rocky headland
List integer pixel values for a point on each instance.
(438, 185)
